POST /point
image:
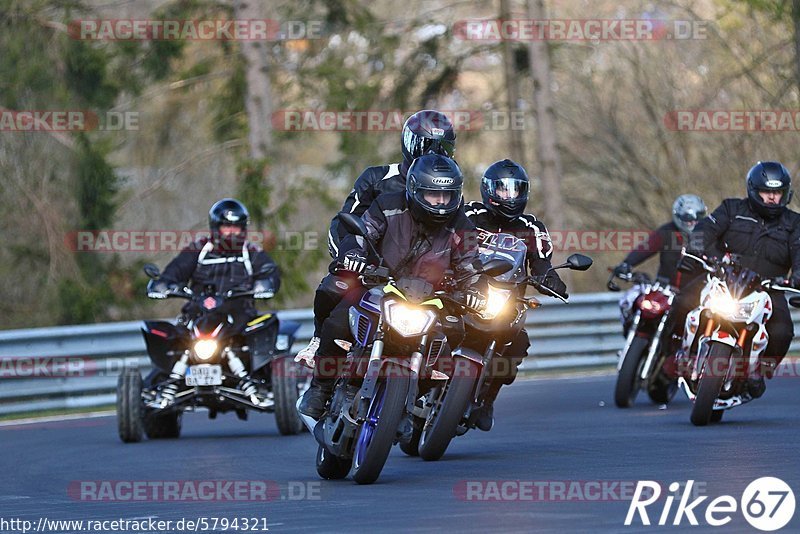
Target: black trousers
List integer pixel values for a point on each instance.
(330, 292)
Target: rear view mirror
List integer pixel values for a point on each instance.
(579, 262)
(266, 269)
(353, 224)
(151, 271)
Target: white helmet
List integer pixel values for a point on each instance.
(687, 210)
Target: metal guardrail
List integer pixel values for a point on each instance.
(66, 367)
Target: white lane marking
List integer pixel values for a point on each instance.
(57, 418)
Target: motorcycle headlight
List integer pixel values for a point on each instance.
(408, 320)
(205, 348)
(726, 306)
(496, 301)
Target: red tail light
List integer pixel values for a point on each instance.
(158, 332)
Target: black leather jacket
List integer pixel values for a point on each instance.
(374, 181)
(525, 227)
(770, 247)
(667, 240)
(201, 264)
(409, 249)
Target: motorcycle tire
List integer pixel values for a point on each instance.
(662, 389)
(628, 381)
(376, 435)
(710, 384)
(411, 447)
(285, 380)
(129, 406)
(163, 425)
(329, 466)
(438, 433)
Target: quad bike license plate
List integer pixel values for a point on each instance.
(204, 375)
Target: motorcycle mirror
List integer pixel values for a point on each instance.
(262, 291)
(496, 267)
(264, 270)
(151, 271)
(353, 224)
(794, 302)
(579, 262)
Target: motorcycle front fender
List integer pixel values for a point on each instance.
(469, 354)
(161, 337)
(722, 337)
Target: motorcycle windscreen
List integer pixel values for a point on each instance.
(505, 247)
(160, 337)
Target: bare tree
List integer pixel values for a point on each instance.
(516, 143)
(258, 100)
(547, 146)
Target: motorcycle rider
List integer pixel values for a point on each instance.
(667, 240)
(504, 194)
(425, 131)
(225, 260)
(765, 233)
(422, 232)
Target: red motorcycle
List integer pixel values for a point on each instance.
(647, 341)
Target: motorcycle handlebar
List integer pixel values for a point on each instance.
(777, 284)
(636, 277)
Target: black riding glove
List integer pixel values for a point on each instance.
(555, 284)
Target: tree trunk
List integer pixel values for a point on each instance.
(258, 100)
(547, 146)
(796, 24)
(516, 143)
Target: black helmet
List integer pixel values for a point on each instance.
(504, 189)
(687, 210)
(433, 175)
(427, 131)
(769, 176)
(228, 211)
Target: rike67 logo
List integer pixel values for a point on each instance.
(767, 503)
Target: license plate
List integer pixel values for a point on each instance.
(204, 375)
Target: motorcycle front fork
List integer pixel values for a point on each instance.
(647, 368)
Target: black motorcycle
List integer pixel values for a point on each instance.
(450, 408)
(397, 353)
(206, 360)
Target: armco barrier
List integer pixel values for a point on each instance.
(584, 333)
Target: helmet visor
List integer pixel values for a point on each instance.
(772, 196)
(507, 188)
(690, 216)
(417, 146)
(440, 201)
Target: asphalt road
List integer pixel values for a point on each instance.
(561, 458)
